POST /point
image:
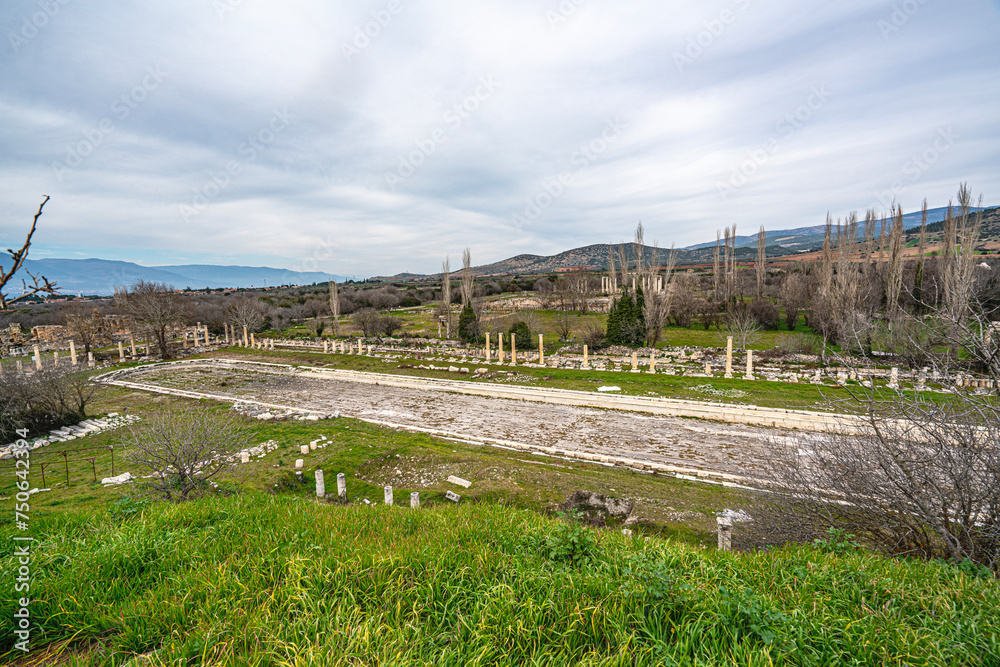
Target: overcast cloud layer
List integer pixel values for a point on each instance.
(370, 138)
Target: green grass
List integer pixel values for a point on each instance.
(262, 579)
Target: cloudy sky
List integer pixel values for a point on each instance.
(373, 137)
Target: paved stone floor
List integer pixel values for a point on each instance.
(689, 443)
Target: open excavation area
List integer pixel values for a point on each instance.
(695, 445)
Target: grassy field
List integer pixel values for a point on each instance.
(261, 579)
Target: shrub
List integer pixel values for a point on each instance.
(521, 330)
(766, 313)
(570, 542)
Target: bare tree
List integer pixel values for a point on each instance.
(564, 324)
(153, 305)
(39, 283)
(367, 319)
(335, 306)
(248, 312)
(446, 294)
(715, 265)
(742, 326)
(761, 264)
(794, 296)
(894, 277)
(918, 276)
(186, 450)
(468, 280)
(86, 325)
(656, 303)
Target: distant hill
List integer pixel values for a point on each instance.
(101, 276)
(806, 238)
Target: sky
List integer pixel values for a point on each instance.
(376, 137)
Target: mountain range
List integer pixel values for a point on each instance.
(101, 276)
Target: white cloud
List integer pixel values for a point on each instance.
(316, 194)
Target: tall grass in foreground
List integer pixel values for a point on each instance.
(271, 580)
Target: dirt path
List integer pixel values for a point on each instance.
(702, 445)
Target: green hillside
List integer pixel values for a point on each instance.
(262, 579)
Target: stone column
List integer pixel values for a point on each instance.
(487, 347)
(541, 349)
(513, 349)
(729, 357)
(415, 500)
(19, 369)
(818, 378)
(635, 362)
(299, 463)
(121, 352)
(271, 343)
(586, 361)
(894, 378)
(439, 328)
(246, 340)
(253, 341)
(131, 341)
(320, 485)
(72, 352)
(749, 375)
(38, 358)
(341, 486)
(652, 363)
(725, 533)
(90, 359)
(500, 347)
(184, 337)
(326, 347)
(388, 495)
(708, 370)
(304, 449)
(55, 358)
(225, 327)
(244, 457)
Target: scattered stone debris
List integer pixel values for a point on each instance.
(67, 433)
(123, 478)
(735, 516)
(597, 508)
(459, 481)
(452, 496)
(269, 414)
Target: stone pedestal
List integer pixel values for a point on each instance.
(415, 500)
(388, 495)
(320, 485)
(341, 486)
(244, 457)
(90, 360)
(652, 363)
(725, 533)
(708, 370)
(894, 378)
(304, 449)
(299, 463)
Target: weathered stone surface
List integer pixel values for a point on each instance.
(597, 507)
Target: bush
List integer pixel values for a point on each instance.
(766, 313)
(595, 337)
(522, 331)
(409, 302)
(571, 542)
